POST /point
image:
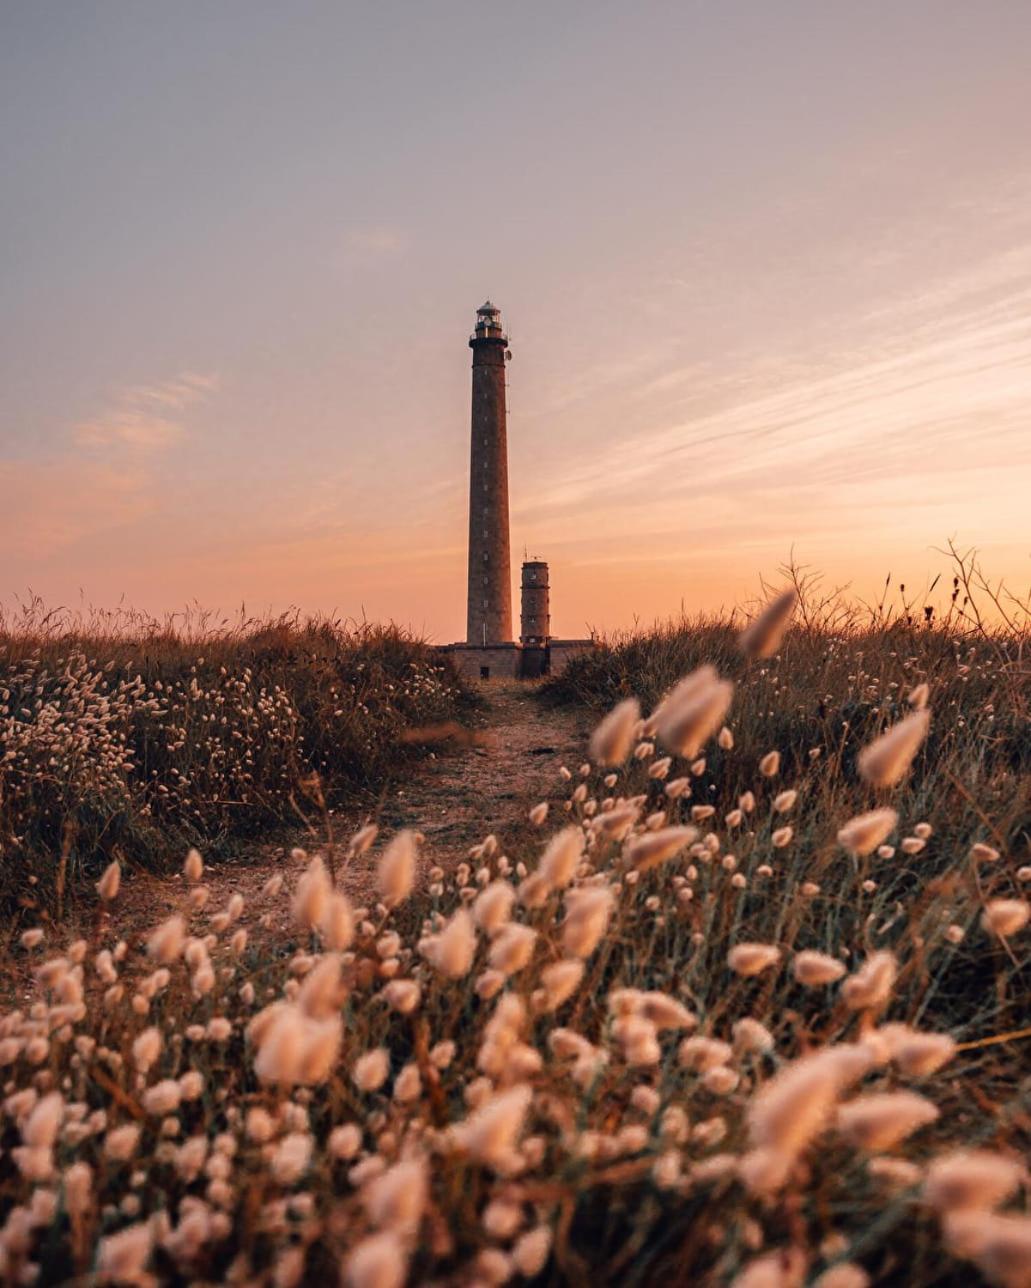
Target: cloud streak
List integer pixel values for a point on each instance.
(141, 415)
(104, 476)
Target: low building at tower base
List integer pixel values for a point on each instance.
(514, 661)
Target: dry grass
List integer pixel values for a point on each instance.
(606, 1055)
(123, 736)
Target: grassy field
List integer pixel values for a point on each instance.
(747, 1005)
(124, 736)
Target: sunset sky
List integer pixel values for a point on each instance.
(766, 269)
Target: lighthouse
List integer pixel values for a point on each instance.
(489, 612)
(489, 651)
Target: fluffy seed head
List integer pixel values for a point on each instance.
(1005, 917)
(614, 736)
(886, 761)
(762, 637)
(396, 872)
(693, 711)
(752, 959)
(561, 856)
(813, 969)
(864, 833)
(879, 1122)
(110, 881)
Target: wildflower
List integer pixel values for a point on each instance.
(781, 1269)
(452, 951)
(701, 1053)
(983, 853)
(336, 925)
(813, 969)
(191, 1085)
(32, 938)
(587, 918)
(845, 1274)
(40, 1130)
(751, 1036)
(193, 868)
(320, 993)
(371, 1069)
(120, 1143)
(725, 739)
(920, 1054)
(378, 1261)
(657, 847)
(689, 715)
(752, 959)
(971, 1179)
(490, 1133)
(530, 1251)
(166, 943)
(871, 985)
(918, 696)
(879, 1122)
(408, 1084)
(291, 1158)
(864, 833)
(720, 1081)
(312, 894)
(539, 813)
(999, 1245)
(762, 636)
(163, 1098)
(1005, 917)
(560, 981)
(493, 906)
(396, 1198)
(897, 1172)
(396, 872)
(122, 1258)
(785, 801)
(512, 948)
(107, 886)
(612, 738)
(78, 1185)
(793, 1108)
(403, 995)
(561, 856)
(781, 837)
(769, 766)
(146, 1048)
(885, 761)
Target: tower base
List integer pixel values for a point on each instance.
(513, 661)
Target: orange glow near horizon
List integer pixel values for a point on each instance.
(767, 279)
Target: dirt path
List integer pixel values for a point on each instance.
(454, 799)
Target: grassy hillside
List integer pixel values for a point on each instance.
(746, 1004)
(122, 735)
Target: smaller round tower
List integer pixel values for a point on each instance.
(535, 621)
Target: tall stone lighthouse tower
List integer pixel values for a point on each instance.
(489, 618)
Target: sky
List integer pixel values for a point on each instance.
(765, 267)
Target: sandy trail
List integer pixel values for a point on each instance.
(454, 799)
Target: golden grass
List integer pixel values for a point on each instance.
(713, 1028)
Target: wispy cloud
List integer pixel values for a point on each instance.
(942, 392)
(141, 416)
(105, 477)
